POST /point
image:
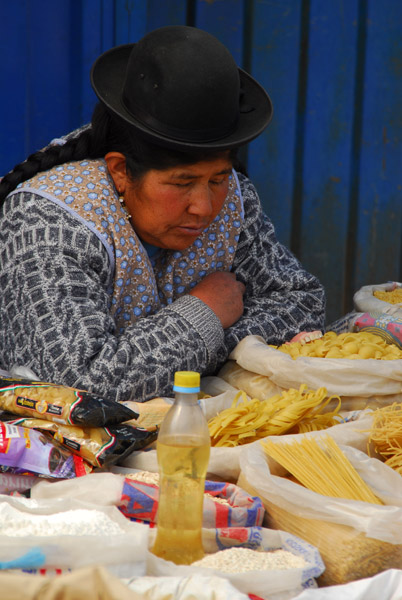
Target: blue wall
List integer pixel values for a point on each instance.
(329, 167)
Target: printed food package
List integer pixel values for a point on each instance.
(150, 413)
(29, 451)
(389, 327)
(13, 483)
(100, 446)
(225, 504)
(60, 404)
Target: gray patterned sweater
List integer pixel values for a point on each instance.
(54, 316)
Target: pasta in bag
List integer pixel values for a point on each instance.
(348, 378)
(383, 298)
(355, 539)
(61, 404)
(100, 446)
(29, 451)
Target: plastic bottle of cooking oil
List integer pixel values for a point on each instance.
(183, 448)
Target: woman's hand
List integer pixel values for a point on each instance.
(223, 293)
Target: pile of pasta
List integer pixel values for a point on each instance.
(292, 411)
(391, 296)
(386, 435)
(321, 467)
(352, 345)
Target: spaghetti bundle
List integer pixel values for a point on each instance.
(386, 435)
(249, 420)
(324, 470)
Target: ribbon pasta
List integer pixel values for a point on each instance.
(247, 420)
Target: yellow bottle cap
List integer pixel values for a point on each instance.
(186, 381)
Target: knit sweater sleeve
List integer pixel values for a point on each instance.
(55, 316)
(281, 297)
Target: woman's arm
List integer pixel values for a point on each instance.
(281, 297)
(55, 317)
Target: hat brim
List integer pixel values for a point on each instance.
(108, 75)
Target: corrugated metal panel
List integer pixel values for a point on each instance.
(329, 167)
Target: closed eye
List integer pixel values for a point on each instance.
(183, 185)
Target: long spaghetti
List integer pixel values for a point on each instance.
(386, 435)
(321, 468)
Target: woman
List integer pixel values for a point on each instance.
(132, 247)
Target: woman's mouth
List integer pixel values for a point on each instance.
(192, 229)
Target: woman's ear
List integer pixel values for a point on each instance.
(116, 164)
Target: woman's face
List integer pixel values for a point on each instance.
(171, 208)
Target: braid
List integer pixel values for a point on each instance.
(107, 133)
(75, 148)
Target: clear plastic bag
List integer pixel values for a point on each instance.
(341, 376)
(276, 584)
(69, 534)
(356, 539)
(364, 299)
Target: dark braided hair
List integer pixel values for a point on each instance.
(74, 149)
(107, 133)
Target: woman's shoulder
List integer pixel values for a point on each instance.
(30, 211)
(33, 227)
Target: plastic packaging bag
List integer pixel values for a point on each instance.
(269, 584)
(341, 376)
(225, 504)
(137, 500)
(28, 451)
(389, 327)
(356, 539)
(69, 534)
(11, 483)
(364, 300)
(60, 403)
(98, 488)
(100, 446)
(196, 586)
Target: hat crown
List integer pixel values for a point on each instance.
(180, 87)
(181, 80)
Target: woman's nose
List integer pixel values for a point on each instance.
(201, 202)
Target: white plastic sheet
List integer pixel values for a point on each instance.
(185, 588)
(384, 586)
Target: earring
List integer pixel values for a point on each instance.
(127, 215)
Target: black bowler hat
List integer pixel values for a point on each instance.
(181, 87)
